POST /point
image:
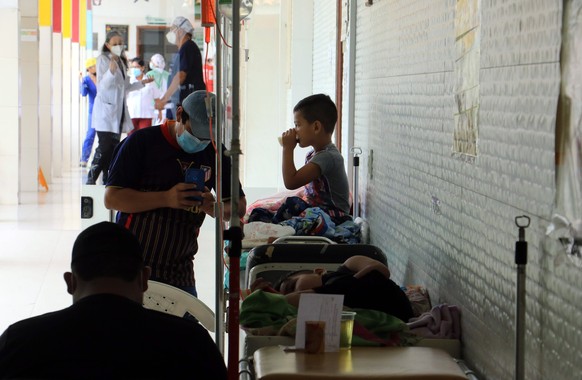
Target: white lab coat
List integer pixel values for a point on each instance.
(111, 91)
(140, 104)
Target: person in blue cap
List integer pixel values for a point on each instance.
(147, 187)
(106, 333)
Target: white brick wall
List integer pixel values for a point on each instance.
(324, 55)
(462, 248)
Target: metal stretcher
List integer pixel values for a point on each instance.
(271, 261)
(264, 353)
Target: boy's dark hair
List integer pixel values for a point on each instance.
(106, 250)
(286, 279)
(318, 107)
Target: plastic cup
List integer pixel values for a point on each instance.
(347, 329)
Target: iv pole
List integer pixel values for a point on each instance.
(234, 233)
(219, 300)
(522, 222)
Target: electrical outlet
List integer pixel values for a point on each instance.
(86, 207)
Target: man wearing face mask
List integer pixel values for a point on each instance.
(146, 186)
(186, 71)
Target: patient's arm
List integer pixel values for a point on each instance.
(363, 265)
(293, 298)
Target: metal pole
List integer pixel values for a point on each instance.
(351, 76)
(234, 234)
(521, 260)
(219, 266)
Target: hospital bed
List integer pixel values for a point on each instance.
(271, 261)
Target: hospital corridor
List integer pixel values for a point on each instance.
(440, 161)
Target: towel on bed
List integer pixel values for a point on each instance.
(264, 313)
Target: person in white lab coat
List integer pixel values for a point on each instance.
(110, 115)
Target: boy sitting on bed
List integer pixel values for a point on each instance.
(364, 282)
(323, 175)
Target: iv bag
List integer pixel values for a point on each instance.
(225, 7)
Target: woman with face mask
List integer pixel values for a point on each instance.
(110, 115)
(140, 103)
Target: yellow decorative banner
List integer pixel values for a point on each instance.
(44, 12)
(67, 18)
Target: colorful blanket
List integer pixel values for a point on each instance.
(264, 313)
(294, 212)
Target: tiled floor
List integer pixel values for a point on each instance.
(36, 238)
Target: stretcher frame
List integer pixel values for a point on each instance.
(270, 261)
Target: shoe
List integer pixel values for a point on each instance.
(83, 164)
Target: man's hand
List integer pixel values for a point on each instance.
(208, 201)
(178, 196)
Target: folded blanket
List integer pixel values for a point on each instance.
(442, 321)
(264, 313)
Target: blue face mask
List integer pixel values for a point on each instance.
(189, 143)
(136, 72)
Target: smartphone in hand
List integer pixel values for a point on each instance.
(196, 176)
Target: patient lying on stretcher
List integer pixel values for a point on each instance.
(364, 282)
